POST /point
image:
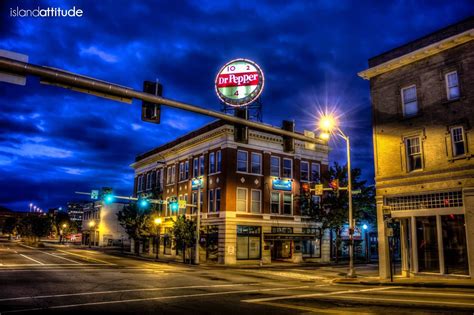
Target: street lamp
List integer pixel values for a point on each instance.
(31, 206)
(367, 244)
(157, 222)
(328, 125)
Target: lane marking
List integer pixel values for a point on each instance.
(36, 261)
(43, 264)
(87, 257)
(407, 301)
(431, 293)
(131, 290)
(308, 309)
(68, 268)
(287, 297)
(23, 245)
(155, 299)
(57, 256)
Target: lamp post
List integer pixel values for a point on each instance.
(328, 124)
(31, 206)
(157, 222)
(367, 244)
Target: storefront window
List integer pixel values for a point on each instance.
(427, 244)
(312, 248)
(248, 242)
(454, 244)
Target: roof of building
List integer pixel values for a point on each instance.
(424, 41)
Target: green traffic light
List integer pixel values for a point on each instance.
(143, 203)
(109, 199)
(174, 206)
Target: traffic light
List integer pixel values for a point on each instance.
(334, 184)
(174, 206)
(241, 133)
(107, 195)
(151, 111)
(288, 142)
(143, 203)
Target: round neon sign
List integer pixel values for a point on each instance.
(239, 82)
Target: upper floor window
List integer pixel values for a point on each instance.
(201, 165)
(212, 162)
(242, 199)
(275, 166)
(242, 159)
(275, 202)
(256, 163)
(458, 141)
(159, 178)
(168, 175)
(186, 170)
(452, 85)
(181, 171)
(218, 199)
(414, 157)
(410, 104)
(148, 181)
(287, 203)
(211, 200)
(315, 171)
(219, 160)
(287, 168)
(196, 167)
(304, 171)
(256, 201)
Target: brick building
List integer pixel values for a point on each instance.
(250, 209)
(75, 210)
(423, 115)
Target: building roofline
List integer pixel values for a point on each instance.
(428, 45)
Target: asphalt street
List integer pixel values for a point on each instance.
(60, 280)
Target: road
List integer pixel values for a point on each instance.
(60, 280)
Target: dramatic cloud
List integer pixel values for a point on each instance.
(54, 141)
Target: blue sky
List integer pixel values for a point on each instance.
(54, 142)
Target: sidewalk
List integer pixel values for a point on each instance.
(416, 281)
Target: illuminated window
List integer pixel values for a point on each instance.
(275, 202)
(457, 138)
(414, 157)
(410, 104)
(256, 201)
(452, 85)
(242, 199)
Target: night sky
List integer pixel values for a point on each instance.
(54, 141)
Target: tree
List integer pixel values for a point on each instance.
(333, 210)
(9, 226)
(34, 227)
(184, 233)
(136, 222)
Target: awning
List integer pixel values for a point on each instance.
(288, 237)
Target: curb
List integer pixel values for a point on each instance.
(425, 284)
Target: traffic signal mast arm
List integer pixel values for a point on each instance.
(155, 201)
(105, 89)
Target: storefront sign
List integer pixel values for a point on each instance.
(282, 184)
(239, 82)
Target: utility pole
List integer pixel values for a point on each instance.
(198, 224)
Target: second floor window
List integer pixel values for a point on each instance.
(181, 171)
(256, 163)
(275, 203)
(315, 171)
(212, 162)
(201, 165)
(242, 161)
(304, 171)
(211, 200)
(409, 102)
(452, 85)
(219, 160)
(186, 170)
(457, 138)
(275, 166)
(148, 181)
(241, 200)
(256, 201)
(218, 199)
(413, 149)
(287, 168)
(196, 167)
(287, 203)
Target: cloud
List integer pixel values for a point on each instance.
(32, 150)
(94, 51)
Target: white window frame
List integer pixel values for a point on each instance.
(173, 174)
(260, 164)
(212, 156)
(311, 172)
(308, 171)
(211, 205)
(196, 167)
(291, 167)
(218, 161)
(220, 198)
(404, 103)
(453, 142)
(181, 171)
(283, 209)
(449, 87)
(186, 169)
(148, 181)
(246, 161)
(279, 202)
(259, 201)
(237, 199)
(279, 165)
(407, 155)
(202, 165)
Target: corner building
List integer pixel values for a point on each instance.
(249, 198)
(423, 118)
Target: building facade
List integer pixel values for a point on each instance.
(75, 210)
(423, 116)
(249, 198)
(100, 226)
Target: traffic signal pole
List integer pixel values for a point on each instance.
(105, 89)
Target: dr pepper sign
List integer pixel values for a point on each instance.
(239, 82)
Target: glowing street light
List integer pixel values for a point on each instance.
(157, 222)
(328, 125)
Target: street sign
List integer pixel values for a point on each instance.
(94, 194)
(389, 231)
(11, 77)
(182, 204)
(239, 82)
(196, 183)
(319, 189)
(356, 192)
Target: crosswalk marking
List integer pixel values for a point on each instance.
(36, 261)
